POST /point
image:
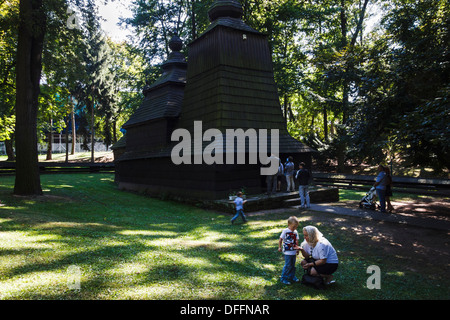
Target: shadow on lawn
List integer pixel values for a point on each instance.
(99, 248)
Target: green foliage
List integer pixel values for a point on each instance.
(129, 70)
(403, 100)
(7, 127)
(427, 132)
(54, 107)
(9, 15)
(156, 21)
(386, 92)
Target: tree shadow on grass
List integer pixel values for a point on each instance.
(91, 240)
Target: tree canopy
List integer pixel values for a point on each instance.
(359, 80)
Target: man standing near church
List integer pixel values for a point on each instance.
(303, 176)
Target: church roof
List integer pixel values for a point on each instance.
(121, 143)
(164, 97)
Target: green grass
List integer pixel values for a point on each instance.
(129, 246)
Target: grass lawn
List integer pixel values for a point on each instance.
(129, 246)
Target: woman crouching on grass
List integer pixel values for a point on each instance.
(320, 258)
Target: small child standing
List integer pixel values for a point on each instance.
(239, 202)
(288, 244)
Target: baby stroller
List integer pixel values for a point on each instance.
(369, 201)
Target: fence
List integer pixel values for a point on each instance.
(60, 147)
(401, 184)
(9, 168)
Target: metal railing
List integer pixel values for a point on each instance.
(401, 184)
(9, 168)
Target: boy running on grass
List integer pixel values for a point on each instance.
(288, 244)
(239, 202)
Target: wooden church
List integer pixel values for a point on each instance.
(226, 83)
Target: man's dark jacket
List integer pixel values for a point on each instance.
(303, 177)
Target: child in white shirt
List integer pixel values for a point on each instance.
(239, 202)
(288, 244)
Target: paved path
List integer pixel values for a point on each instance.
(376, 215)
(432, 223)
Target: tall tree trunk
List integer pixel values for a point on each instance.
(311, 127)
(291, 114)
(74, 133)
(9, 150)
(343, 18)
(359, 26)
(286, 103)
(50, 141)
(325, 123)
(114, 137)
(342, 146)
(107, 131)
(92, 132)
(28, 73)
(194, 21)
(66, 136)
(340, 151)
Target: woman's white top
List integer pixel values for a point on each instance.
(322, 250)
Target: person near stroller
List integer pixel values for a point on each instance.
(388, 196)
(380, 187)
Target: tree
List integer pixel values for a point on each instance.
(36, 20)
(95, 89)
(54, 106)
(62, 62)
(329, 37)
(128, 68)
(155, 22)
(32, 27)
(406, 84)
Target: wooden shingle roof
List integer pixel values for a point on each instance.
(163, 103)
(164, 97)
(121, 143)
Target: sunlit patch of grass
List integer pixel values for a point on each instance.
(147, 233)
